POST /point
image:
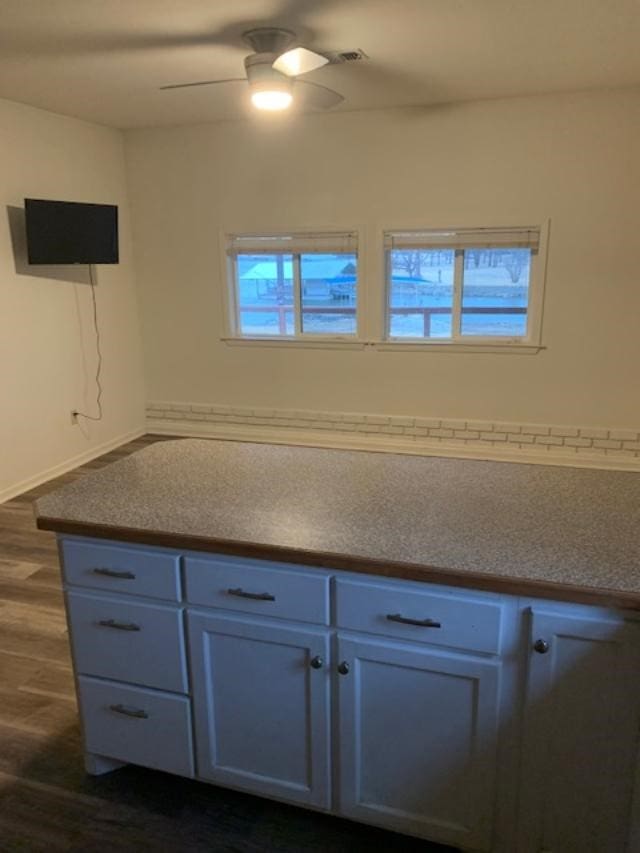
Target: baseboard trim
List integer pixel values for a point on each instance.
(379, 444)
(68, 465)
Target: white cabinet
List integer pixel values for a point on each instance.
(580, 731)
(391, 702)
(261, 706)
(418, 739)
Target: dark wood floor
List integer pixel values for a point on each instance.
(47, 802)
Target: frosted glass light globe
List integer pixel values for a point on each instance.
(271, 99)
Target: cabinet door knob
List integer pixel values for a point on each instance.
(316, 662)
(541, 646)
(343, 668)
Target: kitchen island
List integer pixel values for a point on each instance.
(444, 647)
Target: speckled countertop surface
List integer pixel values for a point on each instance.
(496, 524)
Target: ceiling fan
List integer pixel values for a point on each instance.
(273, 71)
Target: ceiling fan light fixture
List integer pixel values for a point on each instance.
(299, 60)
(269, 89)
(271, 99)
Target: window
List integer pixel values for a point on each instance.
(292, 286)
(463, 286)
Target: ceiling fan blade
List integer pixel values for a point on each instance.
(299, 60)
(204, 83)
(318, 97)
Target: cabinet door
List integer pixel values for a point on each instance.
(580, 734)
(418, 733)
(261, 706)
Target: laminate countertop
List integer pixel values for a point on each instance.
(564, 533)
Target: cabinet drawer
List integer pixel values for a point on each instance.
(115, 568)
(137, 725)
(267, 589)
(137, 642)
(456, 620)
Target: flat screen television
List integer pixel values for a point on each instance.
(69, 232)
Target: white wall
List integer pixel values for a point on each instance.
(572, 159)
(47, 348)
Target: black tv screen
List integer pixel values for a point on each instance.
(69, 232)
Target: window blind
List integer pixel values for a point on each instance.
(465, 238)
(330, 242)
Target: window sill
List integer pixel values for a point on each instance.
(514, 348)
(504, 348)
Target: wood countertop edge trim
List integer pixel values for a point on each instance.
(384, 568)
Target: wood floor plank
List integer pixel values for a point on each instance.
(27, 675)
(22, 547)
(88, 824)
(36, 713)
(39, 633)
(36, 595)
(17, 569)
(40, 756)
(46, 576)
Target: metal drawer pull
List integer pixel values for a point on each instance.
(121, 626)
(112, 573)
(129, 712)
(255, 596)
(421, 623)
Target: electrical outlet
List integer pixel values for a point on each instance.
(74, 416)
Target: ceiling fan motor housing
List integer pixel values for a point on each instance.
(269, 39)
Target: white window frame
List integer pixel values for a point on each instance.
(231, 330)
(531, 342)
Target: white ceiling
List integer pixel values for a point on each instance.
(103, 60)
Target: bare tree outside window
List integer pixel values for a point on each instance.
(513, 263)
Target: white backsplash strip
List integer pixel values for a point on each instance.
(596, 447)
